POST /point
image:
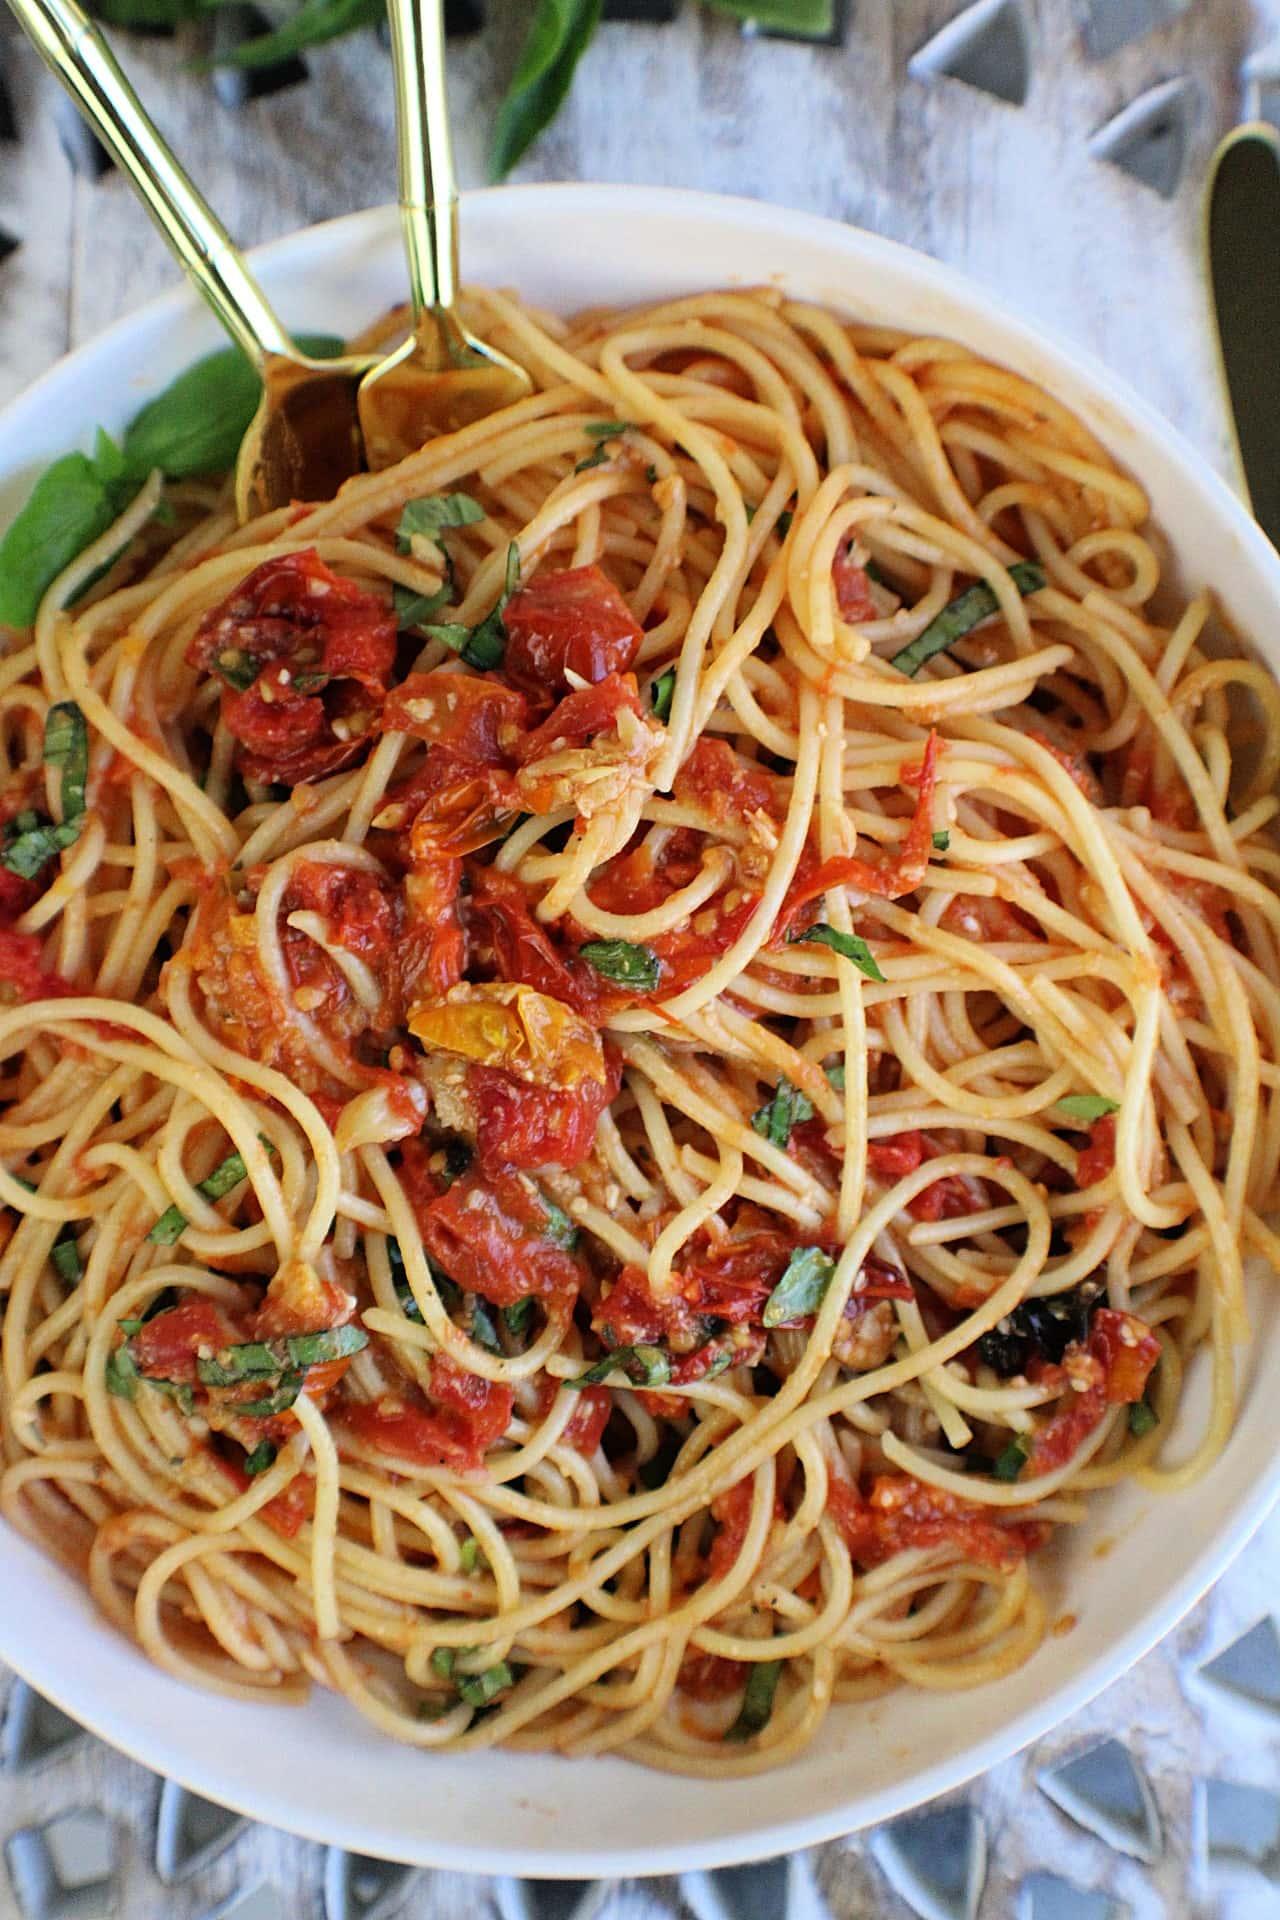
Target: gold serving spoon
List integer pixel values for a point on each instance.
(442, 377)
(305, 438)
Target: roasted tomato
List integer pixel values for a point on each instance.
(886, 878)
(853, 589)
(901, 1513)
(575, 622)
(466, 1416)
(530, 1126)
(306, 656)
(1111, 1369)
(21, 970)
(478, 719)
(493, 1236)
(947, 1199)
(587, 1422)
(720, 783)
(731, 1512)
(167, 1347)
(506, 937)
(1099, 1157)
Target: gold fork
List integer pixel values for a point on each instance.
(305, 438)
(442, 377)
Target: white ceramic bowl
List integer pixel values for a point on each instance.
(322, 1771)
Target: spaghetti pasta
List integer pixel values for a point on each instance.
(637, 1054)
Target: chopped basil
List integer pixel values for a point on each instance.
(598, 457)
(1010, 1463)
(942, 841)
(442, 1660)
(432, 515)
(66, 745)
(1142, 1418)
(787, 1109)
(802, 1288)
(660, 692)
(483, 646)
(30, 842)
(1087, 1107)
(226, 1175)
(836, 1074)
(517, 1316)
(238, 668)
(757, 1701)
(121, 1373)
(469, 1555)
(851, 945)
(483, 1331)
(263, 1359)
(559, 1227)
(619, 960)
(175, 1390)
(416, 609)
(64, 1257)
(278, 1402)
(478, 1689)
(962, 614)
(262, 1457)
(606, 429)
(643, 1366)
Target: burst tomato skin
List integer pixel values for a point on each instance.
(732, 1512)
(902, 1513)
(521, 1125)
(575, 621)
(286, 1513)
(853, 588)
(580, 716)
(1110, 1370)
(477, 718)
(20, 966)
(168, 1347)
(505, 934)
(294, 620)
(585, 1425)
(489, 1234)
(887, 877)
(1099, 1157)
(467, 1416)
(947, 1199)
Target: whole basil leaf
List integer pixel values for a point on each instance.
(315, 22)
(809, 19)
(72, 502)
(197, 423)
(560, 32)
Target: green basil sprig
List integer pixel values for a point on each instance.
(787, 1109)
(433, 514)
(262, 1359)
(483, 646)
(660, 694)
(757, 1701)
(1086, 1107)
(227, 1174)
(623, 962)
(802, 1288)
(31, 842)
(558, 36)
(643, 1366)
(194, 426)
(961, 615)
(851, 945)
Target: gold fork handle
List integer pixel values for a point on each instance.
(80, 58)
(428, 184)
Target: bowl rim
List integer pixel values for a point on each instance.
(214, 1775)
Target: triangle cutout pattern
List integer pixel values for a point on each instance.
(987, 46)
(937, 1861)
(190, 1832)
(1148, 139)
(1046, 1897)
(1105, 1791)
(34, 1729)
(1240, 1826)
(1112, 24)
(358, 1888)
(768, 1890)
(1249, 1669)
(552, 1899)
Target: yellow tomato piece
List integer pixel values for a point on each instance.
(500, 1023)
